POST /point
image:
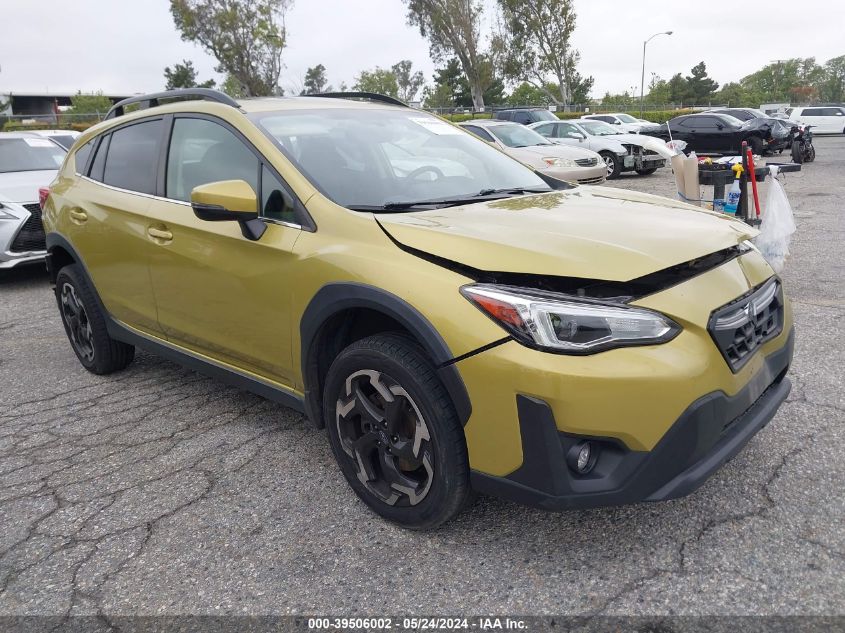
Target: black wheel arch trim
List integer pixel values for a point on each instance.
(123, 333)
(336, 297)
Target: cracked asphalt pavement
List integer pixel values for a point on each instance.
(160, 491)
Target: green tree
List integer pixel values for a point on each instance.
(452, 29)
(380, 81)
(659, 92)
(438, 96)
(246, 37)
(700, 87)
(832, 85)
(409, 83)
(97, 104)
(786, 80)
(232, 87)
(184, 75)
(677, 88)
(535, 45)
(315, 80)
(526, 94)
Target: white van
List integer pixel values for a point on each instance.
(824, 119)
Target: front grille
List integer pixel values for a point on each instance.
(31, 236)
(743, 325)
(587, 162)
(591, 181)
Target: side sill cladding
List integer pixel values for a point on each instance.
(334, 298)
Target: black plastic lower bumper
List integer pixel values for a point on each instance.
(711, 431)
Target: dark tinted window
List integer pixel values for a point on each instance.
(81, 156)
(100, 159)
(606, 119)
(202, 151)
(814, 112)
(276, 202)
(522, 117)
(132, 160)
(480, 133)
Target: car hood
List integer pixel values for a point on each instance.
(585, 232)
(646, 142)
(534, 153)
(22, 186)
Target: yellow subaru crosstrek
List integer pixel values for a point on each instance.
(455, 320)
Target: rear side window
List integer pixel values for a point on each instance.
(132, 159)
(201, 152)
(99, 164)
(81, 157)
(814, 112)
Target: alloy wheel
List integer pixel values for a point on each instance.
(383, 432)
(79, 326)
(610, 164)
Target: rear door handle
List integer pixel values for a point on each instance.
(159, 234)
(79, 216)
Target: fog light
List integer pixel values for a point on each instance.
(582, 457)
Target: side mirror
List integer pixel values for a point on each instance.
(617, 123)
(229, 201)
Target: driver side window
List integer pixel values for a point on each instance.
(201, 152)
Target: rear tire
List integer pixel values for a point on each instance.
(613, 164)
(395, 433)
(85, 324)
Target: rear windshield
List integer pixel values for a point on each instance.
(29, 154)
(371, 157)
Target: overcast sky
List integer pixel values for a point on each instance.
(122, 46)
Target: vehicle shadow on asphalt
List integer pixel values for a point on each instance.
(24, 276)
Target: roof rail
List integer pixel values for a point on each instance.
(187, 94)
(369, 96)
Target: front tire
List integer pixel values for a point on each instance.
(756, 145)
(85, 325)
(613, 164)
(647, 172)
(797, 154)
(395, 433)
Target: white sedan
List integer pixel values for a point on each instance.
(620, 152)
(620, 120)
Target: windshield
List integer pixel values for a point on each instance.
(362, 158)
(598, 128)
(626, 118)
(544, 115)
(515, 135)
(29, 154)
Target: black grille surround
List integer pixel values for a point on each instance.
(31, 237)
(586, 162)
(743, 325)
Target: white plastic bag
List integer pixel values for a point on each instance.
(777, 226)
(676, 147)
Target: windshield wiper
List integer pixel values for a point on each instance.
(484, 194)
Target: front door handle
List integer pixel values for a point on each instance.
(159, 234)
(78, 216)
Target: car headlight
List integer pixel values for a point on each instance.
(4, 215)
(551, 161)
(566, 324)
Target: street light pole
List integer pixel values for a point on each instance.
(642, 78)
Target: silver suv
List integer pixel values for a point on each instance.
(27, 163)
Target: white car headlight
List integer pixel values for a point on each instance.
(569, 325)
(551, 161)
(4, 215)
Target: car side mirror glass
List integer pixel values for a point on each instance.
(229, 201)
